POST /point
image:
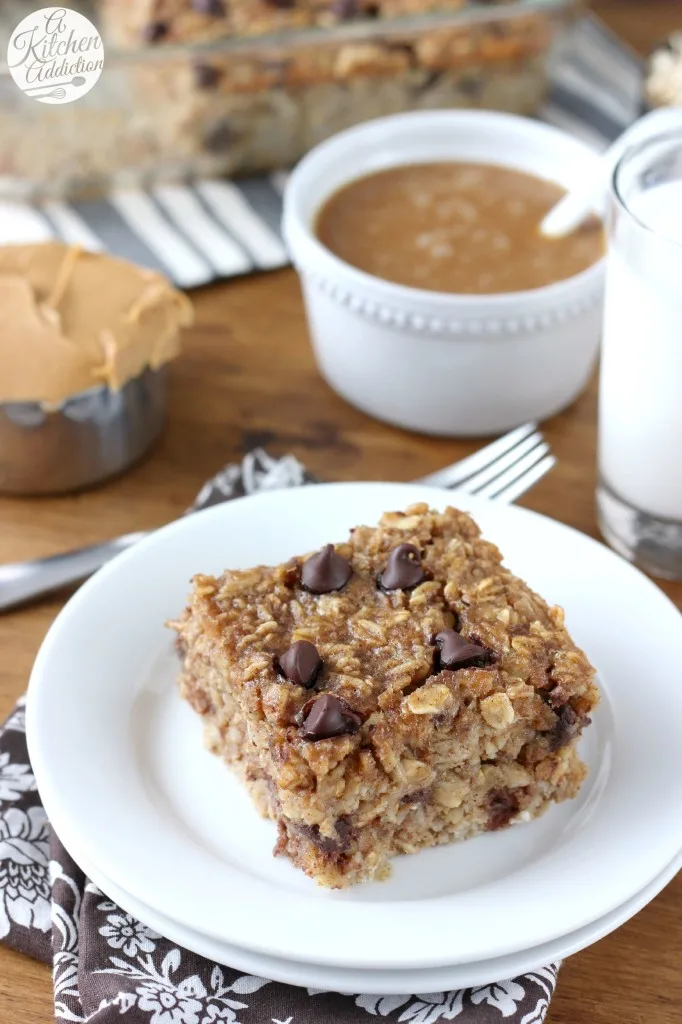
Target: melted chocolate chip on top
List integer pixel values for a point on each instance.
(455, 651)
(326, 571)
(329, 716)
(301, 663)
(403, 569)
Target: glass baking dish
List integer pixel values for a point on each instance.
(167, 110)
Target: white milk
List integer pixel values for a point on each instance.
(641, 377)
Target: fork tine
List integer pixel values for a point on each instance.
(527, 479)
(460, 472)
(492, 485)
(506, 463)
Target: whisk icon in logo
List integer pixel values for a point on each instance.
(55, 55)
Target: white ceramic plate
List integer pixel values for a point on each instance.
(359, 982)
(119, 757)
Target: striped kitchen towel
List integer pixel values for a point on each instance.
(201, 232)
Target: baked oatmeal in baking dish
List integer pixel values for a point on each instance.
(208, 88)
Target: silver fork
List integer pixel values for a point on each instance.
(503, 471)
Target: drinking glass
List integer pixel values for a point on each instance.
(639, 493)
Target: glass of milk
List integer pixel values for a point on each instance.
(639, 495)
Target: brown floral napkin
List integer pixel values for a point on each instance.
(109, 967)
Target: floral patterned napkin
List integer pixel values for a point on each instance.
(109, 967)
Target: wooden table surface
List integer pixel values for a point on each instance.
(247, 377)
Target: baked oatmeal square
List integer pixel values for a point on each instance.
(397, 691)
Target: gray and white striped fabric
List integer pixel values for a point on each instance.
(201, 232)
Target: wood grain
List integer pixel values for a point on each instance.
(247, 377)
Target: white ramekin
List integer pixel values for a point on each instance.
(429, 361)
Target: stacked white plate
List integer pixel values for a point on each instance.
(165, 830)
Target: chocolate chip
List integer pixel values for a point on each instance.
(155, 31)
(301, 663)
(282, 4)
(219, 137)
(344, 831)
(206, 76)
(569, 723)
(372, 10)
(214, 8)
(403, 569)
(345, 9)
(325, 571)
(329, 716)
(503, 805)
(328, 844)
(455, 651)
(180, 648)
(419, 798)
